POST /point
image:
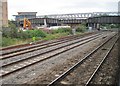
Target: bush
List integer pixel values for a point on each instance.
(6, 32)
(11, 41)
(9, 32)
(81, 28)
(7, 41)
(35, 33)
(31, 33)
(54, 36)
(13, 33)
(22, 35)
(62, 30)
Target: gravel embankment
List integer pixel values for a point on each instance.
(73, 58)
(53, 66)
(45, 42)
(26, 55)
(109, 72)
(80, 75)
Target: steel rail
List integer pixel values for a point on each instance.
(44, 58)
(45, 46)
(39, 45)
(55, 48)
(41, 41)
(62, 76)
(96, 70)
(48, 51)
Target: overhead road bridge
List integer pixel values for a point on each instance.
(78, 15)
(76, 18)
(104, 20)
(43, 21)
(95, 22)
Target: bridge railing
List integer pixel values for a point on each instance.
(79, 15)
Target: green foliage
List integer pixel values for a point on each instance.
(30, 33)
(53, 36)
(6, 32)
(12, 41)
(45, 16)
(35, 33)
(62, 30)
(22, 35)
(10, 31)
(110, 26)
(118, 26)
(8, 41)
(13, 33)
(11, 25)
(12, 36)
(81, 28)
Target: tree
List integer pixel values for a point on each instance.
(10, 31)
(81, 28)
(11, 25)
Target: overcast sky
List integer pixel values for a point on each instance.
(44, 7)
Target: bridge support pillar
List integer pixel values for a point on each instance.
(91, 25)
(45, 22)
(98, 26)
(94, 26)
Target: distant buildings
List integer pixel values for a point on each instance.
(119, 7)
(22, 15)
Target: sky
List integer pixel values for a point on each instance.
(46, 7)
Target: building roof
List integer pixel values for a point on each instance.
(27, 13)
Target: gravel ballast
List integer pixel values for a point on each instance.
(41, 72)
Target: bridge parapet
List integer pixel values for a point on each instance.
(104, 20)
(80, 15)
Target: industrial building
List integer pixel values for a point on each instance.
(22, 15)
(73, 19)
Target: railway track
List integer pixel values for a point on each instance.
(94, 73)
(86, 64)
(15, 59)
(25, 47)
(26, 62)
(32, 48)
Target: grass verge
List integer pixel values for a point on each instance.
(15, 41)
